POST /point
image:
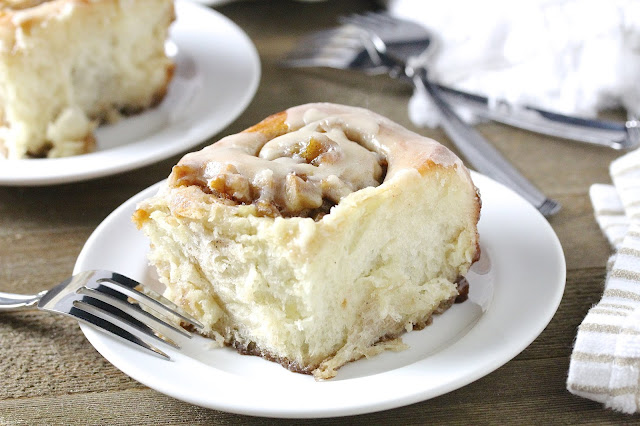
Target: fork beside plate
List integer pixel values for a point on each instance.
(339, 48)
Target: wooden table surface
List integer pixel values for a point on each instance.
(50, 374)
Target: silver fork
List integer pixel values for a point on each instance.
(343, 48)
(112, 303)
(340, 48)
(403, 59)
(478, 151)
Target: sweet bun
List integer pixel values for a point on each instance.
(68, 65)
(315, 237)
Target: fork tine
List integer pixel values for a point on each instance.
(312, 62)
(333, 35)
(112, 329)
(384, 17)
(339, 47)
(378, 21)
(153, 300)
(333, 48)
(368, 20)
(337, 42)
(338, 52)
(107, 295)
(121, 319)
(321, 37)
(332, 58)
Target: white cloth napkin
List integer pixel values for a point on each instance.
(570, 56)
(605, 363)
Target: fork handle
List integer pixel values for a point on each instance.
(19, 302)
(479, 152)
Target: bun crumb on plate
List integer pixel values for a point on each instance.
(315, 237)
(67, 65)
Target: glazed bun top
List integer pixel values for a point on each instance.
(304, 160)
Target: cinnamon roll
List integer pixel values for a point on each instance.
(315, 237)
(68, 65)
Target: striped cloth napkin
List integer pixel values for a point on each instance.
(605, 363)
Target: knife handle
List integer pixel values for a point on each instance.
(611, 134)
(479, 152)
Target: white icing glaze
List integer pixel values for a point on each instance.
(328, 152)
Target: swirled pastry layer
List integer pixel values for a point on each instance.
(315, 237)
(306, 160)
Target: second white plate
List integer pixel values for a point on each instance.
(217, 75)
(515, 290)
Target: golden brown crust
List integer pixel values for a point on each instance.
(88, 145)
(271, 127)
(154, 101)
(253, 349)
(162, 92)
(477, 219)
(139, 217)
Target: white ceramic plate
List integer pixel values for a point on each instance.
(514, 292)
(217, 74)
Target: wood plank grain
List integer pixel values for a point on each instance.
(52, 375)
(522, 392)
(45, 354)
